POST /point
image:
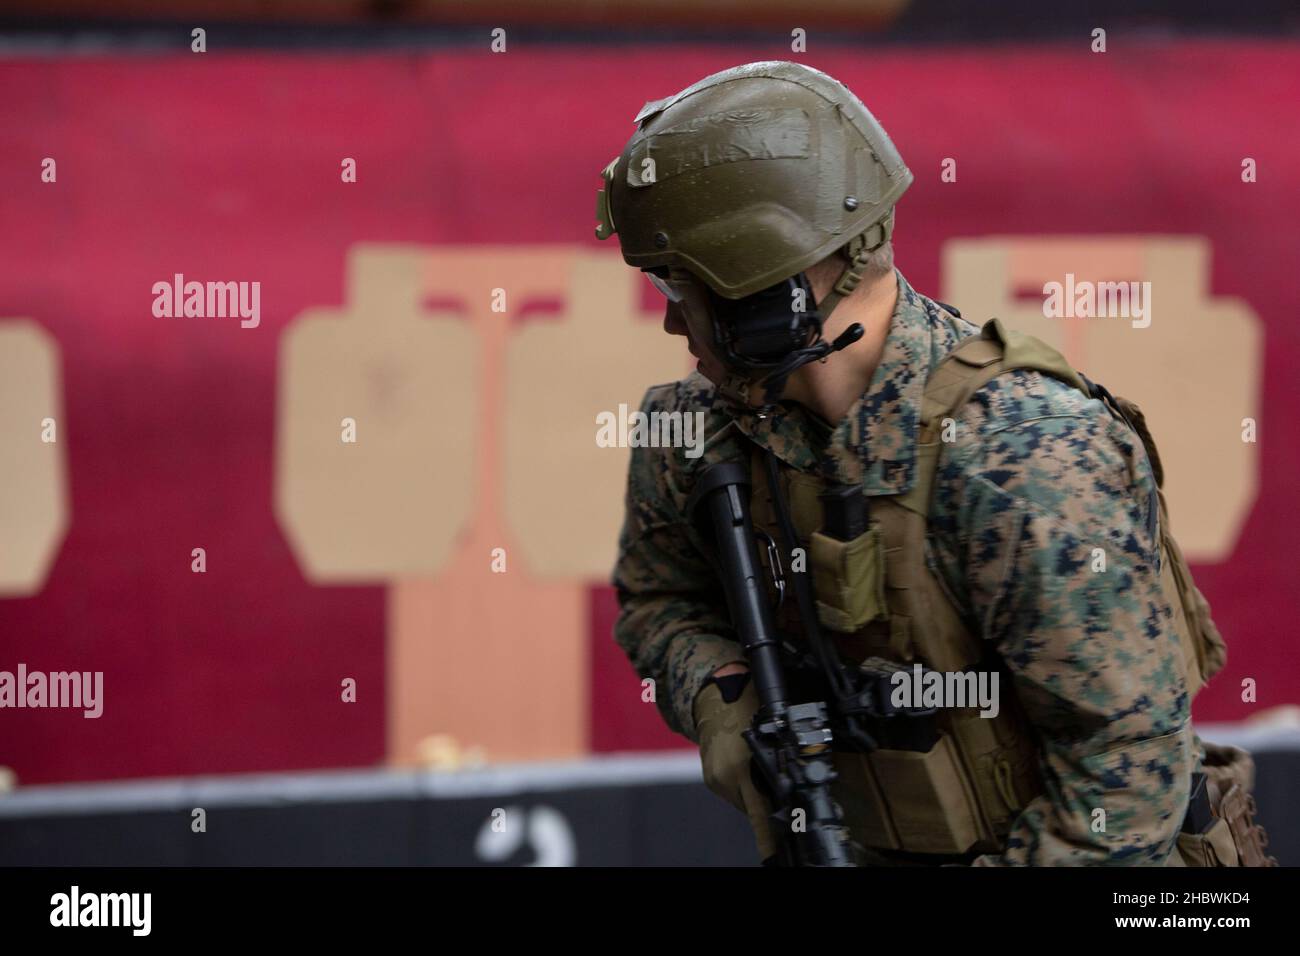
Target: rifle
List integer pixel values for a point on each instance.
(790, 742)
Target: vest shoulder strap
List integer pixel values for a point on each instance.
(959, 375)
(980, 359)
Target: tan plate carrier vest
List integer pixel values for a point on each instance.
(879, 598)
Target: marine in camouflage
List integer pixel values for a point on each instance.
(1037, 478)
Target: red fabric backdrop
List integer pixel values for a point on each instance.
(227, 166)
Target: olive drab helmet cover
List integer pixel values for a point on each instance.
(750, 176)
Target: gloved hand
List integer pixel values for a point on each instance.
(725, 757)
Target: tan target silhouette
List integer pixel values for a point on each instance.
(34, 505)
(1195, 369)
(474, 432)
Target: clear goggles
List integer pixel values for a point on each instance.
(676, 290)
(692, 299)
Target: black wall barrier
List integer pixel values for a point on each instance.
(615, 811)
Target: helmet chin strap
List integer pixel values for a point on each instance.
(858, 251)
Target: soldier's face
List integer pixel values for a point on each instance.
(687, 315)
(708, 364)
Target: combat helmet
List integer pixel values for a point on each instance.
(751, 176)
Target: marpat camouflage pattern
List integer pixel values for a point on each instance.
(1038, 476)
